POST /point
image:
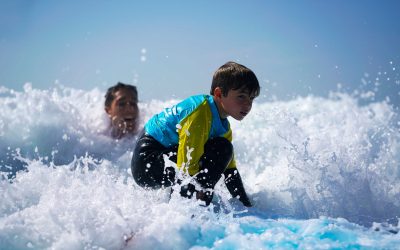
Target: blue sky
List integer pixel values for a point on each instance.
(171, 48)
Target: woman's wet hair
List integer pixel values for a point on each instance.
(110, 95)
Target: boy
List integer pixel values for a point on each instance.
(196, 135)
(121, 106)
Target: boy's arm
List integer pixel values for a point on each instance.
(233, 180)
(235, 186)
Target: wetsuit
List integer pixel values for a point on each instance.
(192, 135)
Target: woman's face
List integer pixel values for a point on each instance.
(124, 111)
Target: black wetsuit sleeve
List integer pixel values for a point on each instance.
(235, 186)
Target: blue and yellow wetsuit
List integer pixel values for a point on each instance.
(192, 135)
(189, 124)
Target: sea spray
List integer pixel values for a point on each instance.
(313, 156)
(310, 159)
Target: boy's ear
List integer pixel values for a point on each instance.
(218, 92)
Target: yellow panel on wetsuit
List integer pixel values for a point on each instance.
(190, 124)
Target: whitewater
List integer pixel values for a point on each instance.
(322, 173)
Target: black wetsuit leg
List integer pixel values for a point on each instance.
(148, 166)
(218, 153)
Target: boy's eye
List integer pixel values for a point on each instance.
(121, 104)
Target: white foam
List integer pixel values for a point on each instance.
(300, 159)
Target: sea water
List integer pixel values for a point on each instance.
(322, 173)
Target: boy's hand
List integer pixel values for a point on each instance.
(189, 190)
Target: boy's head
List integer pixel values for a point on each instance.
(234, 76)
(234, 88)
(121, 106)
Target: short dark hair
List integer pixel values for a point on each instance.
(110, 95)
(235, 76)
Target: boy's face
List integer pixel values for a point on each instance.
(124, 111)
(237, 103)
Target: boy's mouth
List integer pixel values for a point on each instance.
(243, 113)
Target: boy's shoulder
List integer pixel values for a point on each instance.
(193, 101)
(197, 98)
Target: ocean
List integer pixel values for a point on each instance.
(322, 173)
